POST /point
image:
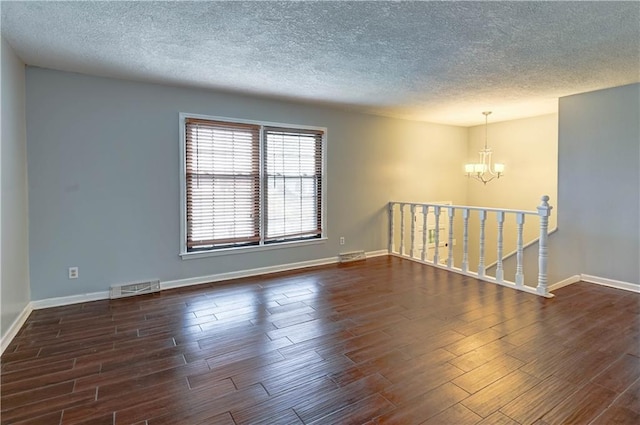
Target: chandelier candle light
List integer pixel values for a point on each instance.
(484, 170)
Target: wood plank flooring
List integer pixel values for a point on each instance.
(380, 341)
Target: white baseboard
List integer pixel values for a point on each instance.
(611, 283)
(378, 253)
(68, 300)
(102, 295)
(618, 284)
(15, 327)
(566, 282)
(179, 283)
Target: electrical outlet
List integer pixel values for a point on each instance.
(73, 272)
(341, 240)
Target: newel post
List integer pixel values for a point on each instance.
(544, 211)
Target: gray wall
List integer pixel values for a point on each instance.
(598, 189)
(599, 185)
(13, 165)
(104, 178)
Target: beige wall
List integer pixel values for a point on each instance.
(529, 149)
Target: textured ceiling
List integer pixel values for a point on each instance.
(442, 62)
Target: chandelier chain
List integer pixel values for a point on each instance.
(485, 171)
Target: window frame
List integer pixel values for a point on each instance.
(262, 245)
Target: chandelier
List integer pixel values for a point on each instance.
(484, 170)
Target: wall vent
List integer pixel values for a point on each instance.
(348, 257)
(130, 289)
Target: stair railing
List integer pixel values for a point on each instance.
(430, 238)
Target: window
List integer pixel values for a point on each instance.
(250, 184)
(293, 193)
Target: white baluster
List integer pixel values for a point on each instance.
(391, 205)
(413, 229)
(483, 217)
(401, 229)
(499, 269)
(436, 234)
(544, 211)
(465, 241)
(450, 250)
(519, 273)
(425, 212)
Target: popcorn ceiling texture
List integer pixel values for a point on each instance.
(434, 61)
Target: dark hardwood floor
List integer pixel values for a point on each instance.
(381, 341)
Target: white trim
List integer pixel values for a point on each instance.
(183, 181)
(182, 116)
(70, 299)
(325, 184)
(252, 122)
(104, 295)
(178, 283)
(249, 249)
(15, 327)
(618, 284)
(379, 253)
(566, 282)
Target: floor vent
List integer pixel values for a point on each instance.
(348, 257)
(130, 289)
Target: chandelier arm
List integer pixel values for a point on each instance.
(481, 178)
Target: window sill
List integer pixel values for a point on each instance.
(249, 249)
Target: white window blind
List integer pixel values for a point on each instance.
(293, 195)
(248, 184)
(222, 184)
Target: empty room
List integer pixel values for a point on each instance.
(284, 212)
